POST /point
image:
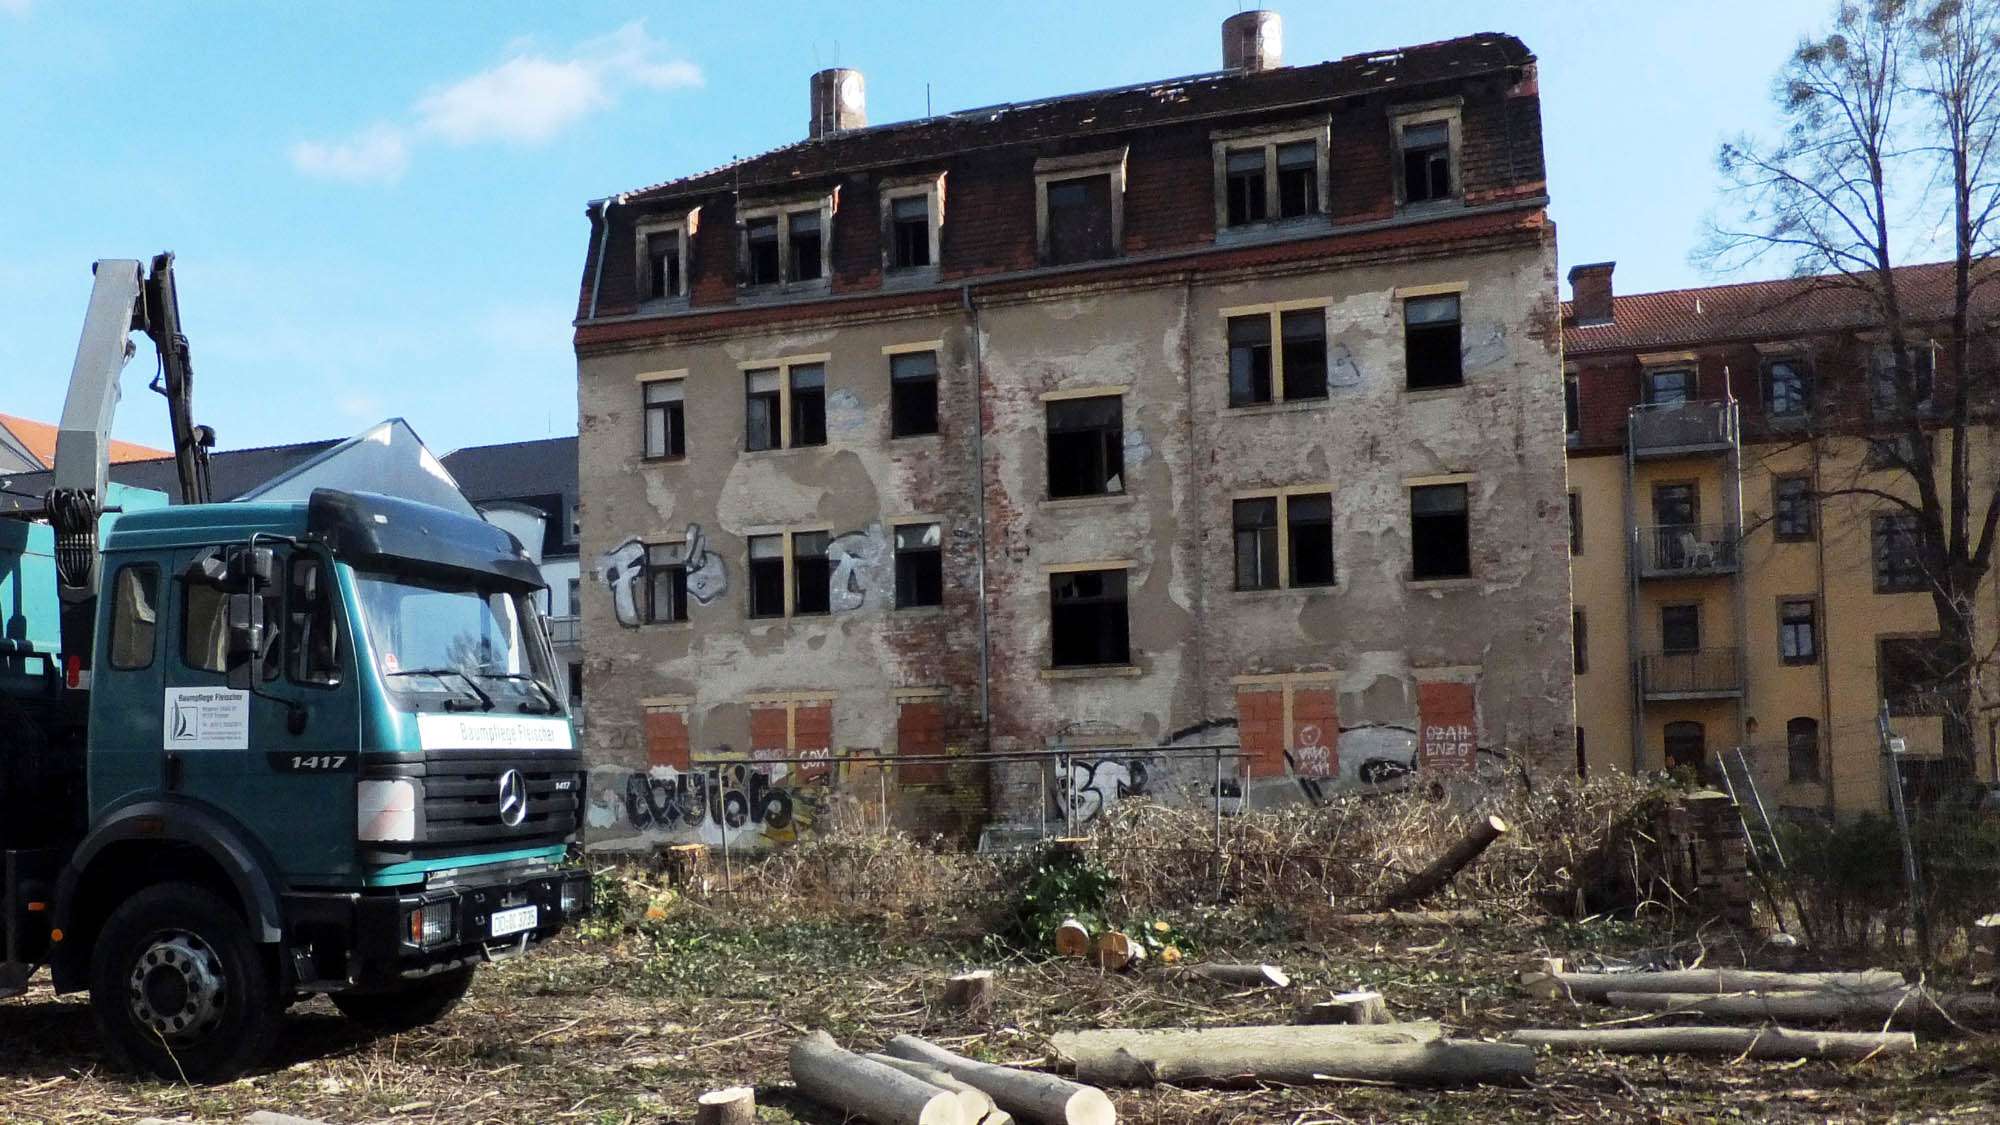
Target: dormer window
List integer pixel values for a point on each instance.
(806, 245)
(912, 222)
(786, 244)
(1246, 186)
(1265, 175)
(1427, 164)
(761, 237)
(663, 257)
(1080, 207)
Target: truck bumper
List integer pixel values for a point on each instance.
(340, 941)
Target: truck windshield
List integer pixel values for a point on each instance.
(454, 644)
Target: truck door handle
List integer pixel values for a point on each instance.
(175, 768)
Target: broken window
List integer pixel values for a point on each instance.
(808, 405)
(913, 394)
(666, 582)
(1802, 749)
(1798, 631)
(1899, 568)
(1792, 504)
(910, 231)
(1304, 332)
(663, 264)
(1910, 675)
(1427, 162)
(1298, 179)
(666, 426)
(919, 565)
(802, 229)
(1086, 446)
(1257, 543)
(812, 573)
(762, 425)
(1309, 525)
(1431, 342)
(1244, 172)
(1079, 219)
(767, 576)
(1087, 623)
(1666, 386)
(1440, 532)
(1787, 391)
(760, 240)
(1250, 360)
(1579, 658)
(1680, 628)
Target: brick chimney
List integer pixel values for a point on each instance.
(839, 102)
(1253, 41)
(1590, 292)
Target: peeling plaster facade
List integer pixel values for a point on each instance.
(1358, 683)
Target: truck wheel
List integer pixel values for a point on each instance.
(179, 988)
(413, 1005)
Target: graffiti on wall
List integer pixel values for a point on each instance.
(861, 562)
(753, 804)
(623, 571)
(1088, 786)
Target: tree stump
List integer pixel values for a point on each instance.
(687, 866)
(1072, 939)
(736, 1105)
(1117, 952)
(1357, 1008)
(971, 993)
(1543, 980)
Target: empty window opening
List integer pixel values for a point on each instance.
(919, 565)
(1575, 524)
(910, 231)
(1899, 567)
(666, 583)
(1674, 505)
(1579, 643)
(1245, 177)
(663, 263)
(1309, 524)
(812, 573)
(1427, 162)
(1440, 532)
(762, 413)
(1257, 544)
(1792, 508)
(1431, 350)
(1305, 353)
(1798, 631)
(804, 234)
(913, 394)
(1086, 438)
(1087, 621)
(1787, 391)
(760, 238)
(1802, 749)
(1572, 408)
(1079, 219)
(1666, 386)
(1686, 746)
(666, 422)
(1680, 628)
(767, 576)
(1249, 360)
(808, 405)
(1298, 179)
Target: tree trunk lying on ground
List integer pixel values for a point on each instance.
(1246, 976)
(973, 1104)
(1444, 868)
(736, 1105)
(839, 1078)
(1906, 1006)
(1409, 918)
(1041, 1099)
(1072, 939)
(1594, 986)
(1410, 1054)
(1355, 1008)
(1116, 951)
(1751, 1042)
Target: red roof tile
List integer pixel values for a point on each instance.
(40, 439)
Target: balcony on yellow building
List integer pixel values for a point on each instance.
(1687, 550)
(1680, 429)
(1708, 673)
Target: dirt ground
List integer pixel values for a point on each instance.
(631, 1027)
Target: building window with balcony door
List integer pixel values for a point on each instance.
(1667, 386)
(1798, 631)
(1680, 628)
(1802, 750)
(1792, 518)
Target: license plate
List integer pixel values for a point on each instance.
(514, 921)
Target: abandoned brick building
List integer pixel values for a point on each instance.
(1221, 408)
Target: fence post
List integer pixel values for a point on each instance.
(1892, 750)
(722, 819)
(882, 776)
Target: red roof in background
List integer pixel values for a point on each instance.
(40, 440)
(1766, 309)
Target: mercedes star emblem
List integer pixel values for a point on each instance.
(513, 798)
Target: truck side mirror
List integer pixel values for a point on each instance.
(246, 640)
(252, 567)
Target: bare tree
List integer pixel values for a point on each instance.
(1891, 120)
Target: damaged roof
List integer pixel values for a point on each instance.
(1218, 93)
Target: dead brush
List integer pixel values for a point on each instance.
(859, 872)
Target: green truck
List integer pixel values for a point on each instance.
(255, 752)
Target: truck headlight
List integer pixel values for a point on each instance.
(431, 925)
(386, 810)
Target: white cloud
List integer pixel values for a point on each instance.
(527, 99)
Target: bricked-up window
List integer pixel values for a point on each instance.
(913, 394)
(910, 231)
(1298, 179)
(1079, 211)
(808, 405)
(1680, 628)
(1575, 524)
(1787, 389)
(803, 235)
(1440, 532)
(666, 583)
(1908, 671)
(920, 734)
(1883, 397)
(767, 575)
(1309, 526)
(1427, 174)
(919, 565)
(666, 423)
(1304, 353)
(1087, 623)
(1249, 360)
(1792, 508)
(812, 573)
(762, 410)
(1665, 386)
(1245, 178)
(1257, 543)
(1898, 567)
(762, 265)
(1798, 631)
(1086, 446)
(1802, 749)
(1579, 643)
(663, 262)
(1431, 353)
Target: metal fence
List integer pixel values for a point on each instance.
(1701, 673)
(1687, 550)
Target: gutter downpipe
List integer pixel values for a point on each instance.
(603, 209)
(979, 502)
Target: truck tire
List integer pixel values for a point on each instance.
(416, 1004)
(179, 987)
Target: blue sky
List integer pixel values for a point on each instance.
(378, 208)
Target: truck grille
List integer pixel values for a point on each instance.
(462, 797)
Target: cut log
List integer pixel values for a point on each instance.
(736, 1105)
(1410, 918)
(1750, 1042)
(839, 1078)
(1594, 986)
(687, 866)
(971, 993)
(1031, 1096)
(1543, 980)
(974, 1105)
(1122, 1057)
(1243, 976)
(1901, 1006)
(1444, 868)
(1117, 952)
(1356, 1008)
(1072, 939)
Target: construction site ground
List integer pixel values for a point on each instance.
(632, 1026)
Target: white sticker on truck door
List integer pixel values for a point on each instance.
(492, 732)
(206, 719)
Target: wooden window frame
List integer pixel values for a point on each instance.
(1049, 169)
(685, 226)
(1275, 311)
(928, 187)
(1224, 141)
(1449, 111)
(783, 366)
(1283, 496)
(782, 210)
(788, 554)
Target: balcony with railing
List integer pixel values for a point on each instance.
(1707, 673)
(1677, 429)
(1687, 550)
(565, 632)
